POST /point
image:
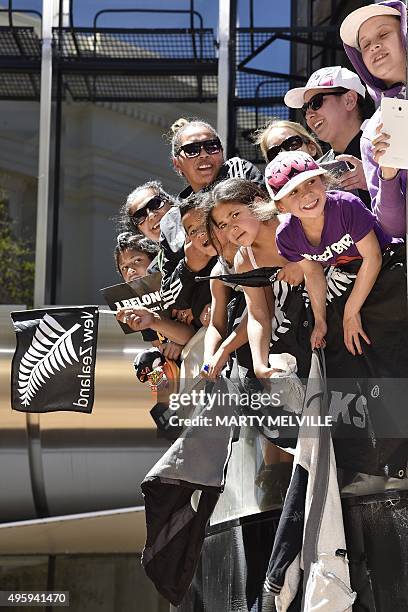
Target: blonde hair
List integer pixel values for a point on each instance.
(180, 125)
(261, 135)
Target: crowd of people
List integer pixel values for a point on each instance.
(308, 218)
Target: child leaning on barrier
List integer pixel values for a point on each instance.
(231, 215)
(221, 340)
(134, 256)
(324, 228)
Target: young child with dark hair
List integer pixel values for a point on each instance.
(134, 255)
(232, 215)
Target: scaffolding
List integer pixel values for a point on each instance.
(51, 61)
(313, 36)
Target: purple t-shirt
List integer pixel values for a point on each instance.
(346, 221)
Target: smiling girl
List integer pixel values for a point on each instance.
(235, 229)
(324, 228)
(374, 38)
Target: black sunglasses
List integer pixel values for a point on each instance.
(193, 149)
(316, 101)
(140, 215)
(292, 143)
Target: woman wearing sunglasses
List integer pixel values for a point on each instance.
(334, 105)
(144, 208)
(197, 156)
(281, 135)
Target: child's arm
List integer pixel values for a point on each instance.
(260, 303)
(370, 251)
(235, 340)
(316, 286)
(386, 189)
(217, 349)
(143, 318)
(291, 273)
(217, 326)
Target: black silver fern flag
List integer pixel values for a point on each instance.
(54, 364)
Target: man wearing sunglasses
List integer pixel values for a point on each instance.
(334, 107)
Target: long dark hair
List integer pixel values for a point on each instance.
(230, 190)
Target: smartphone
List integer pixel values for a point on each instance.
(336, 167)
(394, 117)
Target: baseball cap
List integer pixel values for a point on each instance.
(351, 25)
(288, 170)
(325, 78)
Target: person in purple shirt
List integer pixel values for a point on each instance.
(374, 38)
(325, 228)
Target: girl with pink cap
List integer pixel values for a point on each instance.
(324, 228)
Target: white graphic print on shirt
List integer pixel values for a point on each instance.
(338, 247)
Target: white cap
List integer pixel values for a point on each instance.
(351, 25)
(325, 78)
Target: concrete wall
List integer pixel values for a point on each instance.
(107, 150)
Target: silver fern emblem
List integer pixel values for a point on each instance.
(51, 349)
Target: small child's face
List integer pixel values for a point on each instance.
(381, 48)
(133, 264)
(307, 201)
(193, 223)
(236, 222)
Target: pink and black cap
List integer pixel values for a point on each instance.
(288, 170)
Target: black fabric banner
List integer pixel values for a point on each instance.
(180, 493)
(53, 367)
(143, 292)
(367, 393)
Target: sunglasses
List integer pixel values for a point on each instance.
(316, 101)
(141, 215)
(193, 149)
(292, 143)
